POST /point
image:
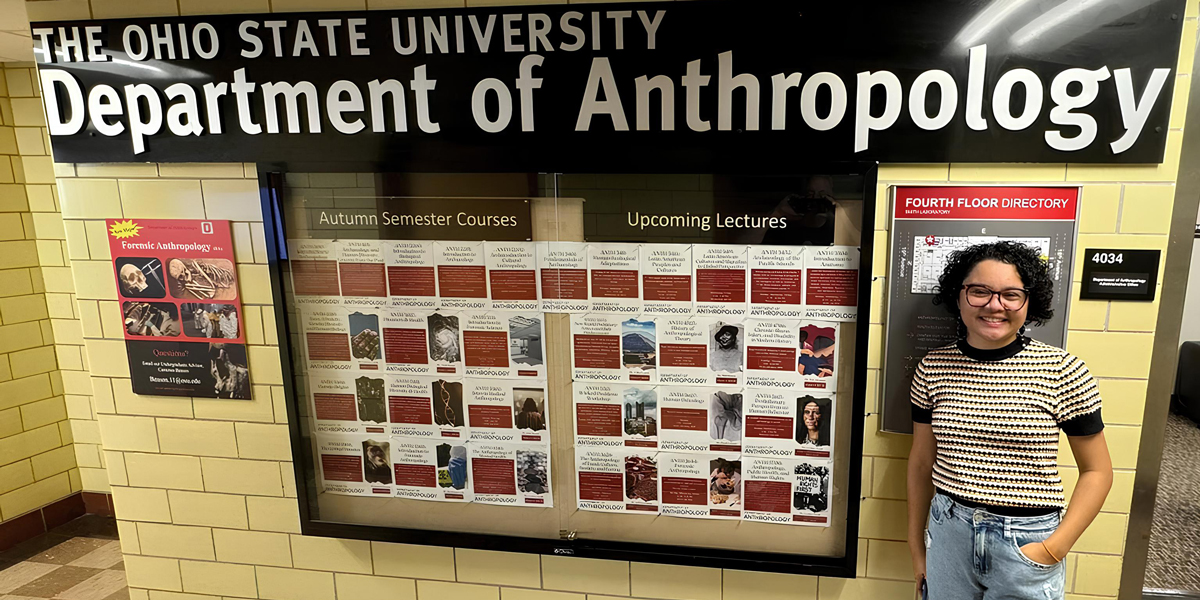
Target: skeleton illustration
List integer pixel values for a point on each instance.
(133, 279)
(203, 281)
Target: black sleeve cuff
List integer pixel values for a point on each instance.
(1089, 424)
(922, 415)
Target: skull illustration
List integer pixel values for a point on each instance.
(132, 279)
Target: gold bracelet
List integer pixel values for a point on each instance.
(1056, 559)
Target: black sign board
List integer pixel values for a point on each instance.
(700, 86)
(1119, 274)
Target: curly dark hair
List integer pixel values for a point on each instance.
(1033, 271)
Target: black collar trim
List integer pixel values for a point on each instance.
(996, 354)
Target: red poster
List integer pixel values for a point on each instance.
(667, 288)
(720, 285)
(410, 281)
(769, 427)
(768, 496)
(485, 348)
(178, 289)
(684, 418)
(775, 286)
(683, 355)
(462, 281)
(601, 486)
(404, 346)
(494, 476)
(766, 358)
(684, 490)
(513, 285)
(597, 352)
(410, 410)
(314, 277)
(564, 284)
(831, 287)
(598, 419)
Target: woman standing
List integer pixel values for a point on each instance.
(986, 414)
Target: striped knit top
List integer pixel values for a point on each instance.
(996, 415)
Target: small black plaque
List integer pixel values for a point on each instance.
(1119, 274)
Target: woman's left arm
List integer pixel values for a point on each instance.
(1095, 480)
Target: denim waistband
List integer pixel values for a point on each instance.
(967, 513)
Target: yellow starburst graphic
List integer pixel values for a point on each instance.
(124, 229)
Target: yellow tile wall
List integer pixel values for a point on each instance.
(202, 487)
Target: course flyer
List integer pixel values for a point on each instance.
(776, 281)
(461, 275)
(511, 474)
(563, 275)
(348, 402)
(700, 419)
(433, 470)
(512, 275)
(449, 408)
(355, 465)
(612, 415)
(338, 338)
(790, 491)
(411, 274)
(410, 401)
(701, 486)
(831, 283)
(506, 411)
(503, 344)
(771, 349)
(444, 335)
(362, 274)
(177, 288)
(612, 348)
(617, 480)
(667, 280)
(406, 342)
(314, 268)
(817, 361)
(700, 351)
(788, 423)
(720, 276)
(613, 273)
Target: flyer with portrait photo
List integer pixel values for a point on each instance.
(816, 363)
(700, 419)
(720, 279)
(776, 281)
(314, 268)
(461, 275)
(512, 275)
(502, 344)
(788, 423)
(506, 410)
(348, 402)
(355, 465)
(788, 491)
(667, 280)
(612, 415)
(434, 470)
(614, 278)
(700, 351)
(362, 274)
(617, 480)
(701, 486)
(563, 276)
(771, 349)
(411, 274)
(337, 338)
(406, 343)
(511, 474)
(831, 283)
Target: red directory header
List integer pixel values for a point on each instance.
(987, 203)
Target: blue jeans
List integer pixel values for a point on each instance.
(974, 554)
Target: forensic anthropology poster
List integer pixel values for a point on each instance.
(181, 313)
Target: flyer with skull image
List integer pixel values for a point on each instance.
(614, 278)
(503, 344)
(667, 280)
(562, 276)
(461, 275)
(789, 423)
(777, 281)
(789, 491)
(362, 274)
(314, 268)
(411, 274)
(700, 419)
(617, 480)
(512, 275)
(435, 470)
(612, 415)
(701, 486)
(500, 410)
(511, 473)
(348, 402)
(337, 338)
(355, 465)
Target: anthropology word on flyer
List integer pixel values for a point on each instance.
(355, 465)
(501, 410)
(701, 486)
(700, 351)
(667, 280)
(613, 273)
(831, 283)
(613, 348)
(512, 275)
(406, 343)
(615, 415)
(503, 344)
(411, 274)
(181, 313)
(617, 480)
(337, 338)
(776, 281)
(348, 402)
(434, 470)
(461, 275)
(314, 268)
(362, 274)
(720, 276)
(511, 473)
(788, 423)
(700, 419)
(786, 490)
(563, 275)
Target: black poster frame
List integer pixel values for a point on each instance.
(270, 179)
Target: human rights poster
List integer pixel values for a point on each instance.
(177, 288)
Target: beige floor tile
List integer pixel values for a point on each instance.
(22, 573)
(98, 587)
(104, 557)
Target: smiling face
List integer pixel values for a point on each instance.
(812, 416)
(992, 326)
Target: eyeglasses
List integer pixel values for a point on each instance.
(1010, 299)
